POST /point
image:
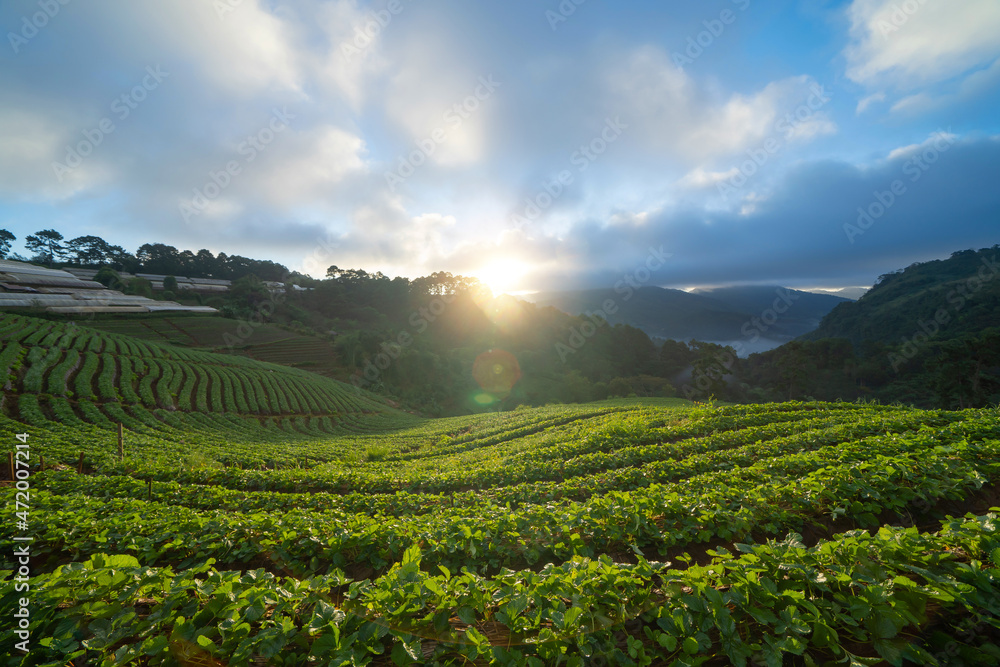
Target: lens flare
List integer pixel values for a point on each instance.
(496, 372)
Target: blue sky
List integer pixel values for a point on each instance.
(537, 145)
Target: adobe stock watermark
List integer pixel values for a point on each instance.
(565, 9)
(915, 168)
(581, 158)
(371, 28)
(899, 16)
(630, 282)
(122, 107)
(458, 113)
(696, 44)
(31, 25)
(760, 156)
(224, 8)
(957, 300)
(249, 149)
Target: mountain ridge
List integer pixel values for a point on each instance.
(716, 314)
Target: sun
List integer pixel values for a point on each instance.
(503, 276)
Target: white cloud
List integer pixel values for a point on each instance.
(866, 102)
(309, 165)
(629, 219)
(935, 138)
(245, 52)
(354, 57)
(39, 157)
(700, 178)
(971, 87)
(909, 45)
(432, 96)
(672, 112)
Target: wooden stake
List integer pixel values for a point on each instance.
(121, 442)
(79, 466)
(41, 461)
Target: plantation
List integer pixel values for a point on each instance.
(269, 516)
(77, 375)
(263, 342)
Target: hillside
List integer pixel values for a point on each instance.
(713, 314)
(623, 532)
(263, 342)
(78, 376)
(926, 335)
(658, 311)
(963, 292)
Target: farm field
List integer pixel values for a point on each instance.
(317, 526)
(84, 378)
(265, 342)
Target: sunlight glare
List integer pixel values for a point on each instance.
(504, 276)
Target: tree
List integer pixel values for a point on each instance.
(713, 363)
(109, 278)
(47, 244)
(675, 356)
(159, 258)
(121, 259)
(89, 250)
(795, 367)
(964, 370)
(204, 264)
(249, 292)
(140, 287)
(170, 284)
(6, 238)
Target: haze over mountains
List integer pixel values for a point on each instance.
(760, 317)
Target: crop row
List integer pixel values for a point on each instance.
(509, 482)
(855, 597)
(701, 455)
(205, 381)
(845, 483)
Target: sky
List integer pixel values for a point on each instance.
(538, 144)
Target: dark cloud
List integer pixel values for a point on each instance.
(802, 233)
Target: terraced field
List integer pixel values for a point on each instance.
(266, 516)
(263, 342)
(81, 377)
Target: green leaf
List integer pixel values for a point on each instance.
(466, 615)
(690, 646)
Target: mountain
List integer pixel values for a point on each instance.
(729, 314)
(945, 299)
(852, 293)
(804, 312)
(658, 311)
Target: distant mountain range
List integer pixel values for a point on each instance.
(762, 317)
(852, 293)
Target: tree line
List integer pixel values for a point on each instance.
(51, 248)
